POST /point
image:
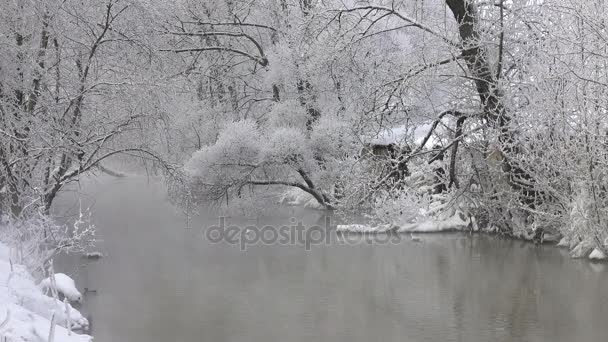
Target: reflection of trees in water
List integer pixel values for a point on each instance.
(493, 285)
(514, 290)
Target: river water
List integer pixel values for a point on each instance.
(162, 280)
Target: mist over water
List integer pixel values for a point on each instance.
(163, 281)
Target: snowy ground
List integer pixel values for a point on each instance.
(28, 314)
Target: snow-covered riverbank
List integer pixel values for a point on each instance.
(27, 313)
(456, 222)
(578, 248)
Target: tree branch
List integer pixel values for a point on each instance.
(260, 60)
(402, 17)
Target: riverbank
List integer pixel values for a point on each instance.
(579, 248)
(27, 313)
(433, 216)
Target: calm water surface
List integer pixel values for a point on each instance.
(161, 281)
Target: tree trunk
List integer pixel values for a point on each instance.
(476, 59)
(491, 96)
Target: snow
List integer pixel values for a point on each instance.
(398, 135)
(474, 225)
(390, 136)
(299, 198)
(430, 225)
(5, 252)
(455, 222)
(564, 242)
(597, 254)
(363, 228)
(23, 325)
(94, 255)
(582, 249)
(27, 312)
(551, 238)
(573, 243)
(65, 285)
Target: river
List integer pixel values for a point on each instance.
(163, 280)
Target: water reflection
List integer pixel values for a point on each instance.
(163, 282)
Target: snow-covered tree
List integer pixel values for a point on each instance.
(75, 78)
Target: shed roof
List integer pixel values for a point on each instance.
(400, 134)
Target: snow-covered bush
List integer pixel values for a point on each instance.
(333, 138)
(286, 147)
(238, 145)
(245, 157)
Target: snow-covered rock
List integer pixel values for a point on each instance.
(582, 250)
(26, 312)
(573, 243)
(564, 242)
(597, 254)
(65, 285)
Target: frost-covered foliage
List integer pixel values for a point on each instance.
(246, 155)
(295, 89)
(37, 240)
(255, 98)
(332, 137)
(407, 207)
(237, 150)
(287, 114)
(75, 78)
(287, 147)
